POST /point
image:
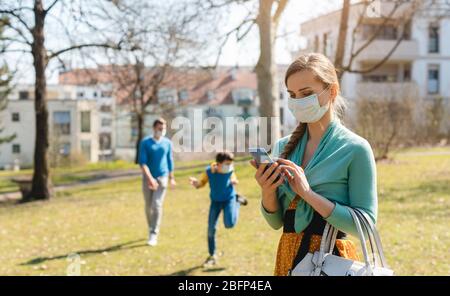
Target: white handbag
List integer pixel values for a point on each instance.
(325, 263)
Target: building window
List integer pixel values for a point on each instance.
(106, 94)
(407, 75)
(64, 149)
(281, 116)
(327, 46)
(85, 121)
(210, 94)
(15, 117)
(433, 39)
(134, 134)
(381, 32)
(105, 141)
(61, 122)
(184, 95)
(316, 43)
(105, 108)
(24, 95)
(86, 149)
(15, 148)
(433, 79)
(167, 96)
(106, 122)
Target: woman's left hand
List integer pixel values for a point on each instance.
(295, 176)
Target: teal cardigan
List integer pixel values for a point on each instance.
(342, 170)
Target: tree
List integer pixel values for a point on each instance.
(26, 28)
(160, 42)
(266, 68)
(385, 118)
(5, 84)
(401, 11)
(267, 19)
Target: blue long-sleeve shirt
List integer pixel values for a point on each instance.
(157, 156)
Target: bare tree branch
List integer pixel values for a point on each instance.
(13, 13)
(381, 62)
(280, 8)
(81, 46)
(51, 6)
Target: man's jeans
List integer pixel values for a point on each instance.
(230, 216)
(154, 204)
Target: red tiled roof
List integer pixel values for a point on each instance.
(197, 82)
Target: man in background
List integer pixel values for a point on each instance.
(156, 162)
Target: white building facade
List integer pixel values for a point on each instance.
(76, 124)
(420, 64)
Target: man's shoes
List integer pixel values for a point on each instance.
(241, 199)
(210, 261)
(153, 240)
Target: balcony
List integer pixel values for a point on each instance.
(387, 90)
(407, 50)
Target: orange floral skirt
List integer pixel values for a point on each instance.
(290, 243)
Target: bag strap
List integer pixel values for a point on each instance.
(367, 220)
(368, 231)
(361, 237)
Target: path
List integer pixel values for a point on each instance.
(98, 177)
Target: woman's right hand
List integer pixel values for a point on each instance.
(266, 179)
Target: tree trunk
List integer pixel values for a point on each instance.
(342, 38)
(41, 185)
(140, 126)
(266, 73)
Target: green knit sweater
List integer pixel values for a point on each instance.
(342, 170)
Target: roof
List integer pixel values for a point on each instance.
(197, 82)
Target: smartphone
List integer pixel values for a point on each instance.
(260, 155)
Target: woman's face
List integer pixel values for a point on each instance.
(304, 83)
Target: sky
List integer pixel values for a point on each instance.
(242, 53)
(246, 52)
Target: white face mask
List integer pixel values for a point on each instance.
(308, 109)
(226, 168)
(159, 133)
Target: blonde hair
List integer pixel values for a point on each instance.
(325, 72)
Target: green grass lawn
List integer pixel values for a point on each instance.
(74, 174)
(105, 225)
(64, 175)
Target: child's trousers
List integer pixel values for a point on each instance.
(230, 216)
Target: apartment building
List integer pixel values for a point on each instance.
(195, 94)
(419, 65)
(80, 122)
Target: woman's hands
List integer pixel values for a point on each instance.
(295, 176)
(266, 179)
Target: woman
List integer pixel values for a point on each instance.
(325, 166)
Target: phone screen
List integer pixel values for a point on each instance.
(260, 155)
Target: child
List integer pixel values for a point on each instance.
(221, 178)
